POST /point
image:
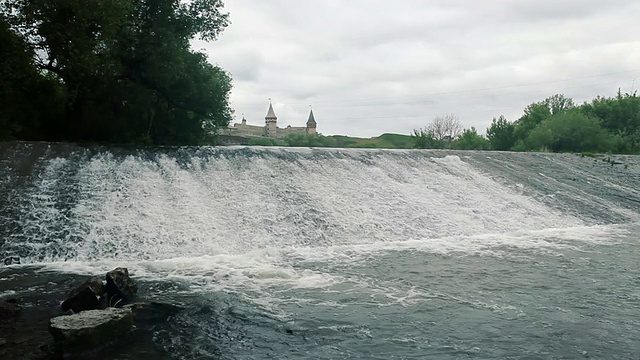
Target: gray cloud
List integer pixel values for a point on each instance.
(370, 67)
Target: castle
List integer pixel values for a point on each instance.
(270, 128)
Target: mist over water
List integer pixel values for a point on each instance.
(334, 253)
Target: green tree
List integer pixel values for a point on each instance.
(536, 113)
(299, 139)
(570, 131)
(424, 139)
(501, 134)
(471, 140)
(261, 141)
(127, 68)
(619, 115)
(31, 103)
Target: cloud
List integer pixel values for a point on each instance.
(370, 67)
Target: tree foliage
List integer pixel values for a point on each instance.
(606, 124)
(424, 139)
(537, 112)
(309, 140)
(122, 70)
(570, 131)
(265, 141)
(471, 140)
(620, 115)
(20, 83)
(501, 134)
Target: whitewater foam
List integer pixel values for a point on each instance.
(258, 221)
(260, 275)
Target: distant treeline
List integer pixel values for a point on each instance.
(384, 141)
(116, 71)
(556, 124)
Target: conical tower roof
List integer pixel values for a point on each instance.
(312, 120)
(270, 114)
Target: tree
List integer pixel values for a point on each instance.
(424, 139)
(558, 103)
(261, 141)
(309, 140)
(471, 140)
(501, 134)
(127, 68)
(619, 115)
(570, 131)
(21, 87)
(445, 128)
(438, 134)
(536, 113)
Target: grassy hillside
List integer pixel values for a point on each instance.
(384, 141)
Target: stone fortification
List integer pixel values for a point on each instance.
(270, 129)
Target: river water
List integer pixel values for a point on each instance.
(344, 254)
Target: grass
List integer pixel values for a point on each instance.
(384, 141)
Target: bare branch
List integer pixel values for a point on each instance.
(445, 128)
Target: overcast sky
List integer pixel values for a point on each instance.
(370, 67)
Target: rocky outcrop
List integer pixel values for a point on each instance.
(90, 329)
(121, 289)
(86, 296)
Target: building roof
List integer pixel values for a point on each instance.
(271, 114)
(312, 120)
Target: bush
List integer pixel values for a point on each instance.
(309, 140)
(470, 140)
(261, 141)
(570, 131)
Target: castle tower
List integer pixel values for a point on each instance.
(311, 123)
(271, 122)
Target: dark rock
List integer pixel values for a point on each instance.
(27, 335)
(121, 289)
(12, 260)
(86, 296)
(90, 329)
(9, 310)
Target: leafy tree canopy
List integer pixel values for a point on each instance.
(501, 134)
(537, 112)
(123, 69)
(570, 131)
(471, 140)
(309, 140)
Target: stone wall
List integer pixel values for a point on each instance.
(244, 130)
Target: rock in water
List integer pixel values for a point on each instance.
(90, 329)
(121, 289)
(86, 296)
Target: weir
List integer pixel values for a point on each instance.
(63, 202)
(337, 253)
